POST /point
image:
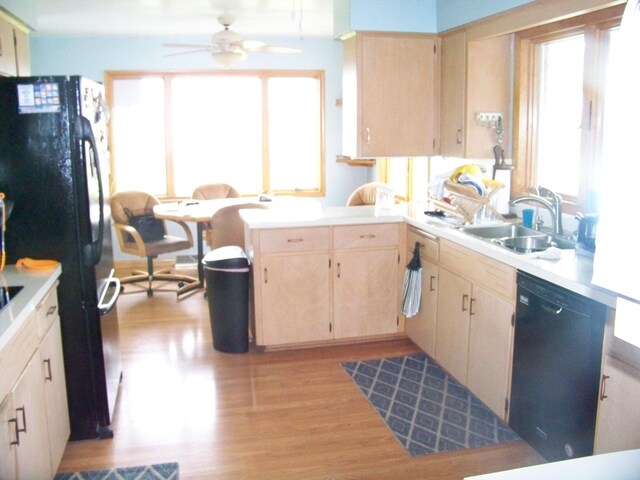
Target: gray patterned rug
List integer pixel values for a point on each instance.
(427, 410)
(160, 471)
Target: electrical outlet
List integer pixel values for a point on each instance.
(488, 118)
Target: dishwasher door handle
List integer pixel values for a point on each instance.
(551, 308)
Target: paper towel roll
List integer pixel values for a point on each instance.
(503, 195)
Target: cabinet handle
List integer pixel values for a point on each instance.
(369, 235)
(52, 310)
(266, 276)
(431, 279)
(471, 312)
(16, 430)
(459, 136)
(368, 134)
(603, 386)
(295, 240)
(24, 420)
(48, 376)
(338, 269)
(465, 297)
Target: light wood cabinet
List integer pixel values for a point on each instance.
(421, 328)
(390, 95)
(14, 49)
(476, 77)
(474, 337)
(34, 422)
(322, 284)
(618, 424)
(292, 285)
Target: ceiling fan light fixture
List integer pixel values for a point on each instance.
(229, 58)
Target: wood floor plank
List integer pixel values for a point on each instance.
(276, 415)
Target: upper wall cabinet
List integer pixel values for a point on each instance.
(476, 78)
(14, 50)
(390, 95)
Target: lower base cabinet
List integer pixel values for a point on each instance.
(34, 418)
(618, 423)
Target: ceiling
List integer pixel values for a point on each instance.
(282, 18)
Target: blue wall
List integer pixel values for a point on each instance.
(453, 13)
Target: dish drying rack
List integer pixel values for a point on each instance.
(467, 202)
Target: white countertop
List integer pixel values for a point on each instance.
(619, 466)
(36, 284)
(571, 271)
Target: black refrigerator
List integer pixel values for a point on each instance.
(54, 168)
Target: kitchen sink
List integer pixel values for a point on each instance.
(518, 238)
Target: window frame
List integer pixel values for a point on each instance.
(595, 27)
(264, 76)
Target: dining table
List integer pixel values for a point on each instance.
(198, 212)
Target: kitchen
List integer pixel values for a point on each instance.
(335, 190)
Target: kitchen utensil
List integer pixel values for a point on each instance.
(587, 232)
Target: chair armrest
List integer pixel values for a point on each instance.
(185, 227)
(122, 232)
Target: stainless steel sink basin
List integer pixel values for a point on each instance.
(506, 230)
(518, 238)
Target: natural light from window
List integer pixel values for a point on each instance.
(560, 114)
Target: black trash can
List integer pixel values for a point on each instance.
(227, 279)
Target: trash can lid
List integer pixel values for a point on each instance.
(230, 256)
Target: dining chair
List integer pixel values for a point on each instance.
(128, 205)
(365, 194)
(226, 226)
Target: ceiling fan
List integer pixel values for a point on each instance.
(227, 47)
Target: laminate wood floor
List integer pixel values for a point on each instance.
(276, 415)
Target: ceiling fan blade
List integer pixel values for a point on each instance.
(186, 45)
(274, 49)
(187, 52)
(251, 44)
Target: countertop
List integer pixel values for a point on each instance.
(36, 284)
(618, 465)
(571, 271)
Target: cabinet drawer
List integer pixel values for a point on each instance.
(15, 355)
(294, 240)
(456, 257)
(495, 276)
(363, 236)
(47, 312)
(429, 248)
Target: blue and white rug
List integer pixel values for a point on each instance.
(427, 410)
(161, 471)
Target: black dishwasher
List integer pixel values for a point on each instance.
(556, 368)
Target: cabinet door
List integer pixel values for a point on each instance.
(7, 50)
(28, 398)
(365, 292)
(23, 61)
(422, 327)
(397, 94)
(295, 298)
(618, 425)
(452, 329)
(55, 393)
(7, 436)
(490, 348)
(452, 97)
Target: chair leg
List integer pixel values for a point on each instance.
(185, 283)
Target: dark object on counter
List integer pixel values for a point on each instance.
(227, 278)
(53, 145)
(556, 368)
(434, 213)
(587, 232)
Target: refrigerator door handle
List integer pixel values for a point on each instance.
(84, 132)
(105, 307)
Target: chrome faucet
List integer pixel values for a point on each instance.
(548, 199)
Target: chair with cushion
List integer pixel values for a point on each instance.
(365, 194)
(124, 205)
(213, 191)
(226, 226)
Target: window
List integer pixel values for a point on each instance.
(258, 131)
(562, 78)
